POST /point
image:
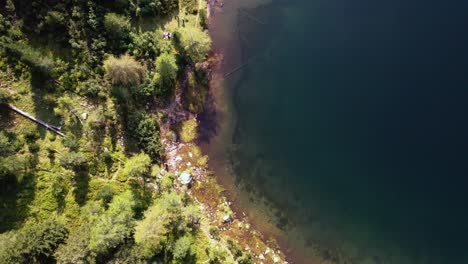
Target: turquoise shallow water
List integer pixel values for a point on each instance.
(352, 121)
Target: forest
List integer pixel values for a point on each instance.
(107, 75)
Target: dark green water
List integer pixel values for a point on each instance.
(353, 120)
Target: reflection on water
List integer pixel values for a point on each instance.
(349, 120)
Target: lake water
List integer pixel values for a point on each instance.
(351, 123)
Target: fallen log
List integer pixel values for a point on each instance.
(52, 128)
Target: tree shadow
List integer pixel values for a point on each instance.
(43, 102)
(81, 184)
(5, 116)
(208, 120)
(15, 197)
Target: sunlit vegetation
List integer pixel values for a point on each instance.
(102, 193)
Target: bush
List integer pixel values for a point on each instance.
(106, 193)
(188, 131)
(5, 96)
(34, 147)
(75, 249)
(74, 160)
(6, 147)
(112, 228)
(183, 248)
(31, 134)
(166, 74)
(214, 232)
(145, 45)
(125, 71)
(138, 166)
(162, 220)
(39, 64)
(33, 243)
(195, 43)
(145, 129)
(117, 30)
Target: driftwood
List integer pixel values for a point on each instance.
(240, 67)
(251, 16)
(52, 128)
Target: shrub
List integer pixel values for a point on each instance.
(145, 45)
(31, 134)
(125, 70)
(183, 248)
(166, 74)
(118, 30)
(38, 63)
(195, 43)
(5, 96)
(138, 166)
(33, 242)
(6, 147)
(106, 193)
(214, 232)
(145, 129)
(161, 220)
(75, 249)
(34, 147)
(112, 228)
(73, 160)
(188, 130)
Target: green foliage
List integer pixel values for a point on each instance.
(125, 71)
(39, 64)
(195, 43)
(145, 45)
(214, 232)
(6, 146)
(5, 96)
(32, 243)
(190, 6)
(106, 193)
(75, 249)
(117, 30)
(114, 226)
(167, 182)
(161, 220)
(216, 255)
(91, 88)
(183, 249)
(197, 91)
(74, 161)
(188, 131)
(31, 134)
(145, 129)
(166, 74)
(138, 166)
(34, 147)
(76, 47)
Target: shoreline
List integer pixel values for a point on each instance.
(219, 125)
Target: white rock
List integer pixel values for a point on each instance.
(84, 116)
(189, 164)
(178, 158)
(267, 251)
(190, 154)
(227, 218)
(261, 257)
(275, 259)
